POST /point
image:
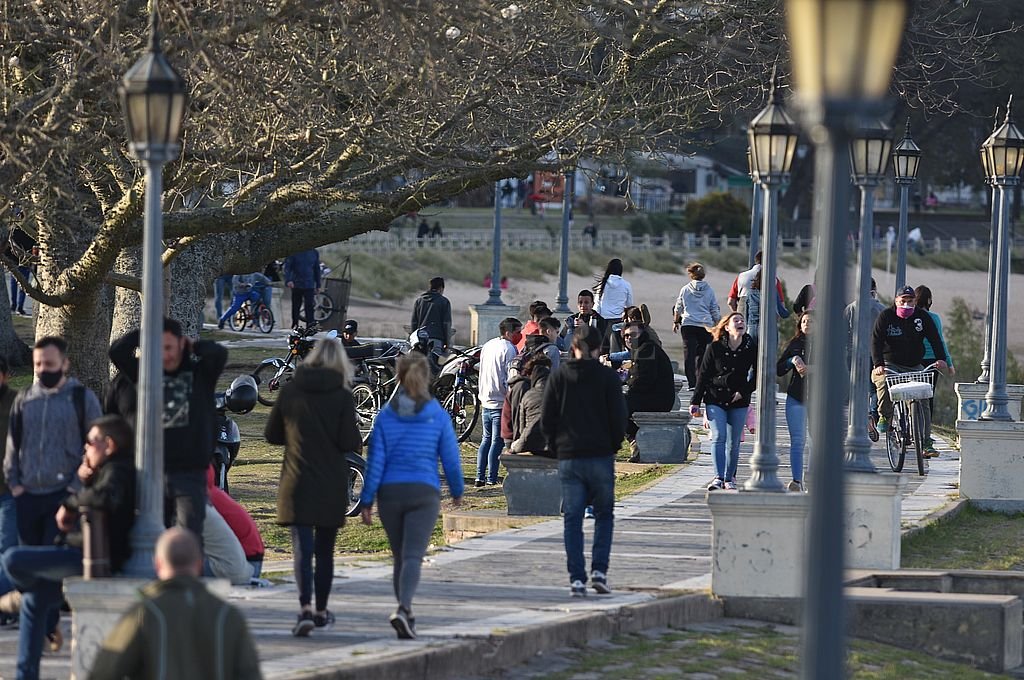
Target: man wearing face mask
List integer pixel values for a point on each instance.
(496, 357)
(44, 441)
(897, 343)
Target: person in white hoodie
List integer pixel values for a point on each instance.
(614, 294)
(695, 311)
(496, 357)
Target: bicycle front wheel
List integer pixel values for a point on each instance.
(323, 307)
(265, 319)
(463, 405)
(238, 320)
(366, 408)
(895, 444)
(917, 413)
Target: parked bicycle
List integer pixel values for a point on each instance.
(273, 373)
(258, 316)
(909, 392)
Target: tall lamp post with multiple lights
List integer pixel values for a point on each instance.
(773, 137)
(153, 98)
(567, 159)
(869, 156)
(1003, 152)
(843, 55)
(906, 158)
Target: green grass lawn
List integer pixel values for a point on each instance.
(974, 539)
(740, 652)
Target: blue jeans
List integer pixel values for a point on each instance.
(38, 572)
(796, 421)
(587, 481)
(17, 293)
(726, 430)
(8, 536)
(238, 300)
(490, 446)
(220, 285)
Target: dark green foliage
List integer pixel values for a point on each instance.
(719, 209)
(656, 224)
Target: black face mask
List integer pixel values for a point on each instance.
(50, 379)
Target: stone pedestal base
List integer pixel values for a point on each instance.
(758, 543)
(662, 437)
(97, 606)
(532, 486)
(992, 464)
(874, 502)
(484, 321)
(970, 399)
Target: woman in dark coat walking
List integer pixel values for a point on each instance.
(315, 419)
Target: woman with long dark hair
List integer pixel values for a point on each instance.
(614, 294)
(794, 358)
(725, 383)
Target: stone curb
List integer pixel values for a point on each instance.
(459, 658)
(943, 514)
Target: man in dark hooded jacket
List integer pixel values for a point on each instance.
(433, 311)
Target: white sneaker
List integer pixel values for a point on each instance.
(730, 486)
(599, 582)
(716, 484)
(796, 487)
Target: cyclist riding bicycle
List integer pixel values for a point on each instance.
(897, 344)
(245, 287)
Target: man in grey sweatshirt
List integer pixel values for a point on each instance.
(45, 441)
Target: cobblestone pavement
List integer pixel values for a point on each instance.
(515, 578)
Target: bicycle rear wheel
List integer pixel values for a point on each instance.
(895, 442)
(463, 405)
(323, 307)
(264, 319)
(365, 398)
(917, 413)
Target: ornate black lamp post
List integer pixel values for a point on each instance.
(906, 158)
(567, 159)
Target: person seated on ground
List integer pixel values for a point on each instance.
(240, 523)
(179, 629)
(245, 287)
(225, 557)
(107, 474)
(529, 437)
(897, 344)
(651, 382)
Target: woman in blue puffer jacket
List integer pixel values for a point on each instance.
(409, 436)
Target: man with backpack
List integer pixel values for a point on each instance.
(433, 312)
(45, 437)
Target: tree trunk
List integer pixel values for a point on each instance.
(11, 346)
(86, 327)
(190, 277)
(127, 303)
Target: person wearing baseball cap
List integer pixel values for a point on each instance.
(897, 343)
(348, 333)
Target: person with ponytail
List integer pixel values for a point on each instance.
(410, 435)
(614, 294)
(725, 382)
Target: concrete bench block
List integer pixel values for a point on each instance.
(532, 486)
(991, 474)
(662, 437)
(971, 399)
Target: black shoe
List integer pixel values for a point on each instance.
(479, 483)
(325, 619)
(400, 622)
(304, 625)
(220, 325)
(599, 582)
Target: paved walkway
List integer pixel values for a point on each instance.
(513, 580)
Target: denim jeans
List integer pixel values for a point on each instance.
(309, 542)
(37, 517)
(220, 285)
(490, 446)
(185, 501)
(237, 300)
(587, 481)
(17, 293)
(38, 572)
(8, 535)
(796, 421)
(726, 430)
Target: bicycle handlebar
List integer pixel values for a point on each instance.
(931, 367)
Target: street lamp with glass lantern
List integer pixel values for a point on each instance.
(906, 157)
(494, 294)
(772, 136)
(993, 233)
(1004, 153)
(869, 157)
(153, 98)
(843, 53)
(567, 159)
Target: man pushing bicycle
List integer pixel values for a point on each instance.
(897, 344)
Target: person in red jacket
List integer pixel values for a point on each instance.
(242, 525)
